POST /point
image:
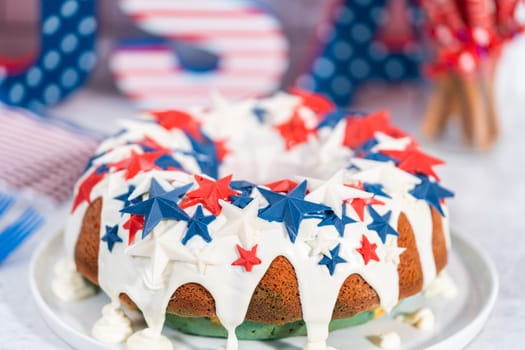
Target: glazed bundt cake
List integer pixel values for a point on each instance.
(257, 220)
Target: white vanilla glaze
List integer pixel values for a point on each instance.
(113, 327)
(442, 286)
(68, 284)
(151, 270)
(388, 340)
(422, 319)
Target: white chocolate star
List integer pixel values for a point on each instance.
(202, 258)
(391, 251)
(164, 178)
(333, 192)
(320, 246)
(389, 143)
(161, 246)
(393, 179)
(243, 223)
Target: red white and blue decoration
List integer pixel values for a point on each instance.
(235, 47)
(361, 41)
(65, 57)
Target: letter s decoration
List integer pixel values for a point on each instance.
(64, 60)
(233, 47)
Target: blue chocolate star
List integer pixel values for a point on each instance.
(331, 262)
(431, 192)
(289, 209)
(111, 236)
(380, 224)
(125, 197)
(376, 189)
(339, 223)
(160, 205)
(198, 226)
(243, 199)
(260, 113)
(166, 161)
(205, 154)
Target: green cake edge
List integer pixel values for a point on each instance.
(204, 326)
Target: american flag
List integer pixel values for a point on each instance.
(44, 157)
(249, 43)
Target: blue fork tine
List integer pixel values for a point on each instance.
(6, 201)
(14, 234)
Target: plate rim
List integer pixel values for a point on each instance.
(455, 339)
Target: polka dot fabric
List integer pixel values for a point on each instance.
(352, 53)
(65, 58)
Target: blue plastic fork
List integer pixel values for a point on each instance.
(18, 231)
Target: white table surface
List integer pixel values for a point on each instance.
(488, 206)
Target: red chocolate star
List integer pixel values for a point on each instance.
(282, 185)
(367, 250)
(133, 225)
(316, 102)
(179, 120)
(222, 150)
(209, 193)
(415, 162)
(85, 188)
(137, 162)
(248, 258)
(359, 205)
(294, 131)
(359, 130)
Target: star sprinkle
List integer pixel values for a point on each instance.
(243, 199)
(161, 247)
(202, 258)
(294, 131)
(431, 192)
(125, 197)
(415, 162)
(360, 129)
(392, 251)
(331, 219)
(376, 189)
(332, 118)
(367, 250)
(320, 245)
(333, 192)
(359, 205)
(133, 225)
(179, 120)
(167, 162)
(161, 205)
(205, 155)
(136, 163)
(285, 185)
(248, 258)
(221, 149)
(316, 102)
(243, 223)
(380, 224)
(85, 189)
(332, 261)
(198, 226)
(289, 209)
(111, 237)
(260, 113)
(209, 193)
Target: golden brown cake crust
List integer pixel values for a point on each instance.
(276, 298)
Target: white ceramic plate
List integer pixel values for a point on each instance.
(458, 320)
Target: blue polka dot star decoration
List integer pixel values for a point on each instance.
(160, 205)
(380, 224)
(111, 237)
(365, 40)
(289, 209)
(332, 261)
(66, 56)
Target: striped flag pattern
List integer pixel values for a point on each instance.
(248, 42)
(40, 156)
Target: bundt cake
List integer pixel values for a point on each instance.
(257, 219)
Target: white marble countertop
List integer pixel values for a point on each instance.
(488, 207)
